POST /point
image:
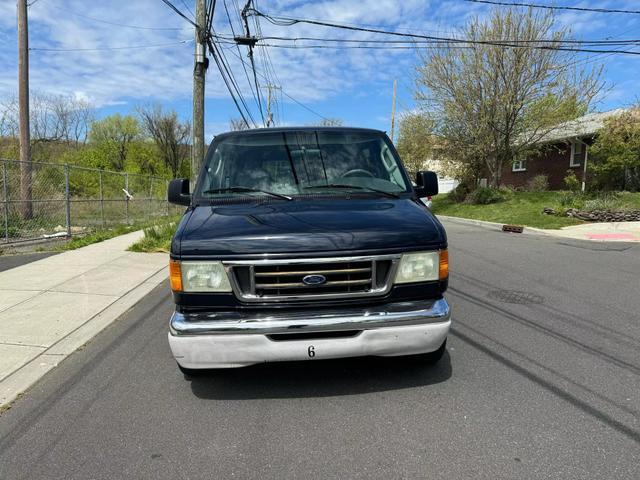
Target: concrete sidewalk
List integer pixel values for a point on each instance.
(599, 232)
(51, 307)
(603, 232)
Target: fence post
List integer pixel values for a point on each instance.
(5, 188)
(166, 199)
(126, 197)
(150, 203)
(101, 197)
(67, 196)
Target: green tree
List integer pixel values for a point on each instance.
(616, 152)
(112, 138)
(416, 141)
(496, 100)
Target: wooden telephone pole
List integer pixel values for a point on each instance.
(270, 87)
(26, 207)
(199, 70)
(393, 108)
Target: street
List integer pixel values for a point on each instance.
(541, 380)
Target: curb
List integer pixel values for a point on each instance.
(552, 233)
(491, 225)
(26, 376)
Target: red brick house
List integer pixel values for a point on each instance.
(567, 149)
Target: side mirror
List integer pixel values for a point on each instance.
(427, 184)
(178, 192)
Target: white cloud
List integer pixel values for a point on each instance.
(115, 77)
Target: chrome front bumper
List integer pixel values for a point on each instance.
(235, 339)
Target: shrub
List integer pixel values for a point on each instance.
(571, 181)
(539, 183)
(459, 194)
(571, 199)
(607, 201)
(485, 196)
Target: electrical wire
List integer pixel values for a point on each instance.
(188, 9)
(246, 73)
(290, 97)
(116, 24)
(127, 47)
(177, 10)
(286, 21)
(555, 7)
(251, 59)
(347, 40)
(230, 83)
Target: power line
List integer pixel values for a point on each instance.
(188, 9)
(287, 21)
(253, 65)
(348, 40)
(229, 81)
(246, 73)
(289, 96)
(127, 47)
(107, 22)
(553, 7)
(413, 42)
(365, 47)
(177, 10)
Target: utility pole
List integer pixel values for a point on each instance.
(270, 87)
(199, 70)
(23, 99)
(393, 108)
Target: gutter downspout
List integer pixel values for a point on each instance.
(584, 169)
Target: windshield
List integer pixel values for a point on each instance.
(302, 162)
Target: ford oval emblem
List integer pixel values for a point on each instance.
(314, 280)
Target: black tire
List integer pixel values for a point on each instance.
(190, 372)
(434, 357)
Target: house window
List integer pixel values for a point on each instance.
(576, 153)
(519, 166)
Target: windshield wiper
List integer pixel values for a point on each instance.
(240, 189)
(356, 187)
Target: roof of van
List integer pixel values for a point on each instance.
(257, 131)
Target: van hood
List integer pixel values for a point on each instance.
(305, 226)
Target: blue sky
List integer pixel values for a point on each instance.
(353, 85)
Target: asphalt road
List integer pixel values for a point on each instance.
(12, 261)
(546, 387)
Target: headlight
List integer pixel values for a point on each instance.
(423, 267)
(203, 277)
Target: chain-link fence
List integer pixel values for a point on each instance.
(47, 200)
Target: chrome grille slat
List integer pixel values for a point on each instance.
(302, 285)
(312, 272)
(281, 279)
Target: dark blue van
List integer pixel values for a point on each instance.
(305, 244)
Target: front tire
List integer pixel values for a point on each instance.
(434, 357)
(190, 372)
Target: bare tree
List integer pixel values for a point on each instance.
(329, 122)
(237, 124)
(54, 118)
(494, 103)
(169, 134)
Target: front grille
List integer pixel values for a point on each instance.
(284, 280)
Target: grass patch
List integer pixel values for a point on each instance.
(519, 208)
(157, 238)
(97, 236)
(106, 234)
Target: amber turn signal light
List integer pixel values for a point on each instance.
(444, 264)
(175, 275)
